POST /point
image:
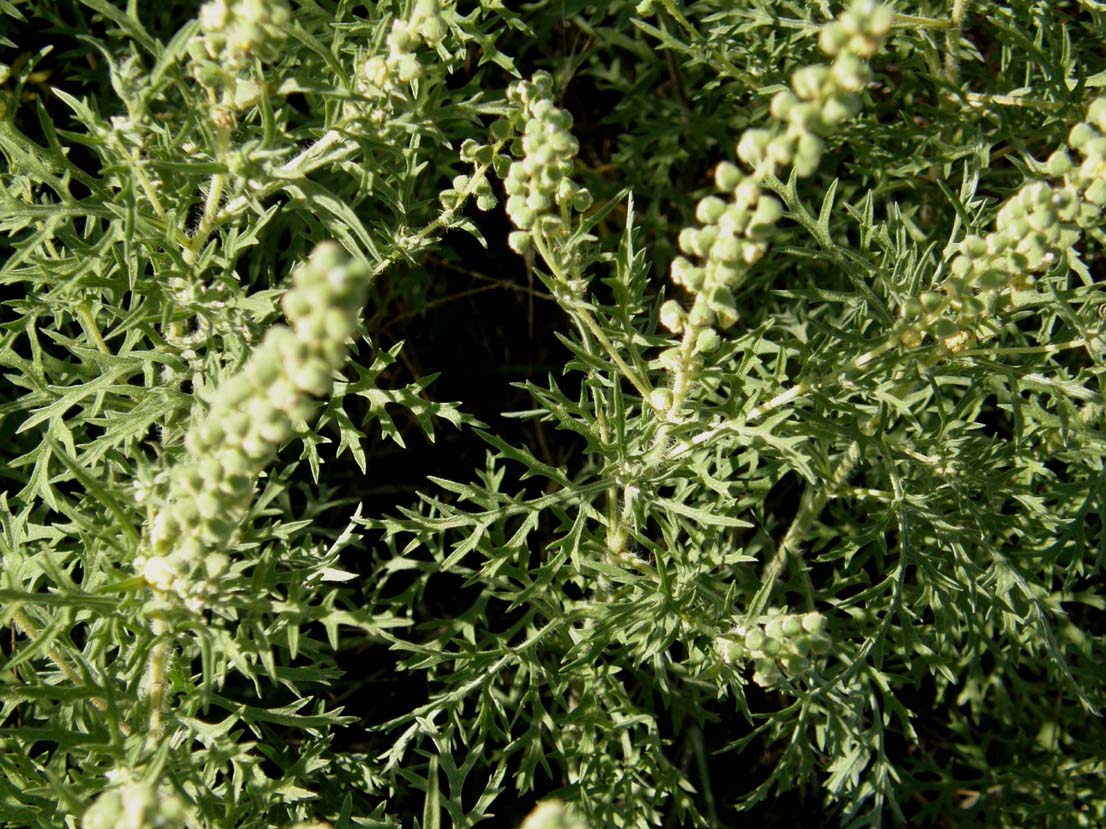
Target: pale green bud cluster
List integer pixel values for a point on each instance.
(134, 806)
(425, 26)
(234, 34)
(733, 235)
(780, 645)
(385, 79)
(481, 156)
(734, 227)
(540, 179)
(1088, 140)
(251, 415)
(821, 97)
(1032, 232)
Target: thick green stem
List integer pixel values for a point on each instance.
(812, 503)
(31, 631)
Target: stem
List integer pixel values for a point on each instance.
(952, 41)
(811, 505)
(91, 328)
(913, 21)
(209, 220)
(28, 629)
(306, 162)
(585, 316)
(155, 680)
(980, 100)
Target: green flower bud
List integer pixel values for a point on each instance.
(538, 202)
(942, 329)
(850, 73)
(1096, 193)
(961, 266)
(1096, 113)
(709, 209)
(791, 626)
(754, 639)
(725, 274)
(660, 399)
(782, 103)
(973, 247)
(833, 38)
(672, 316)
(910, 337)
(208, 504)
(687, 241)
(215, 564)
(840, 107)
(723, 304)
(780, 150)
(726, 249)
(808, 155)
(794, 663)
(814, 623)
(768, 212)
(1059, 164)
(809, 81)
(694, 278)
(1081, 134)
(519, 241)
(701, 314)
(752, 146)
(707, 341)
(727, 176)
(767, 674)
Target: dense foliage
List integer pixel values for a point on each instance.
(577, 414)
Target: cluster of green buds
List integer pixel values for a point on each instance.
(734, 227)
(821, 97)
(782, 644)
(481, 156)
(252, 413)
(425, 26)
(384, 79)
(134, 805)
(1033, 230)
(540, 178)
(732, 235)
(235, 33)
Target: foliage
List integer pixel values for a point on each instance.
(802, 518)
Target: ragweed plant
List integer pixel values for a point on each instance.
(807, 496)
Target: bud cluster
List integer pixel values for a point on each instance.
(481, 156)
(781, 645)
(734, 229)
(1033, 230)
(821, 97)
(251, 415)
(426, 26)
(134, 806)
(733, 235)
(234, 34)
(383, 79)
(540, 179)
